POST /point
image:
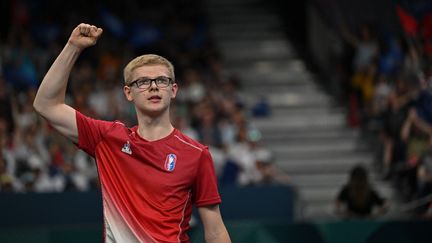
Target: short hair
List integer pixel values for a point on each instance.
(144, 60)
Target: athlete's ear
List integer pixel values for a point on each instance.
(128, 93)
(174, 90)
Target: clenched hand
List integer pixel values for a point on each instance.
(85, 35)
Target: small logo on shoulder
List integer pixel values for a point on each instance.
(126, 148)
(170, 162)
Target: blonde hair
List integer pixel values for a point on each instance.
(147, 59)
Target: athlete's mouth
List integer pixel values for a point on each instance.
(155, 97)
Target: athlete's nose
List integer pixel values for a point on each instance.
(153, 85)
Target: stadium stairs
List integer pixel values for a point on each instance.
(306, 131)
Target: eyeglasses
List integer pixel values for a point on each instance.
(145, 83)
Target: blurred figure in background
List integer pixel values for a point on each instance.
(420, 115)
(357, 199)
(424, 182)
(5, 178)
(248, 162)
(399, 102)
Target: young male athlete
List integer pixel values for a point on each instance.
(151, 174)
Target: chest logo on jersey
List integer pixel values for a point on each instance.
(170, 162)
(126, 148)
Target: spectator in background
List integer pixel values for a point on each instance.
(365, 45)
(357, 199)
(391, 55)
(263, 159)
(424, 180)
(251, 163)
(6, 111)
(366, 50)
(420, 115)
(207, 124)
(194, 89)
(7, 156)
(400, 100)
(241, 155)
(363, 83)
(20, 68)
(6, 180)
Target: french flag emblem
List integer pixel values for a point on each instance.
(170, 162)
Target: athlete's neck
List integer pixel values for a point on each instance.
(152, 129)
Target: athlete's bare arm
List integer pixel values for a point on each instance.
(214, 228)
(50, 98)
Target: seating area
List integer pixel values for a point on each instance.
(209, 106)
(379, 68)
(288, 96)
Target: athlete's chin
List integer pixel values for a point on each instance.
(154, 111)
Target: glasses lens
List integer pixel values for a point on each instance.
(143, 83)
(162, 81)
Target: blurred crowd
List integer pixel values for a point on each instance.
(387, 89)
(210, 106)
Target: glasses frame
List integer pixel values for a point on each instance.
(152, 80)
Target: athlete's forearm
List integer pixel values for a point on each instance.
(218, 237)
(214, 228)
(52, 90)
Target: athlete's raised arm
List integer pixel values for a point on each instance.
(50, 98)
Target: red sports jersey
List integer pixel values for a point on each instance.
(148, 187)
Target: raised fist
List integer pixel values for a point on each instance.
(85, 35)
